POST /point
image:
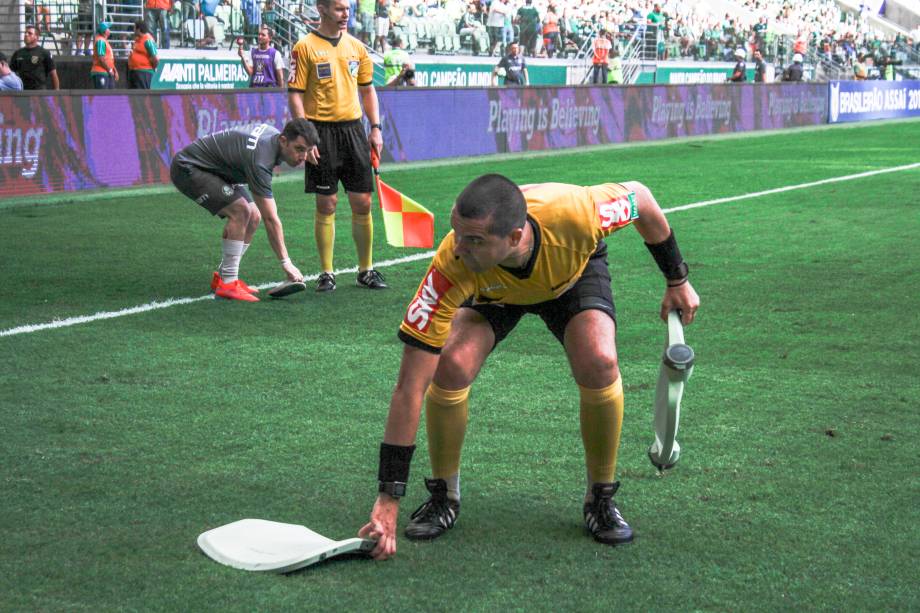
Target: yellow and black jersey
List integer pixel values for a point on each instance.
(568, 222)
(328, 71)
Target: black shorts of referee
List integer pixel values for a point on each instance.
(344, 155)
(591, 291)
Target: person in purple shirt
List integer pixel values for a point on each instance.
(265, 66)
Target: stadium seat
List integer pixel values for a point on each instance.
(236, 21)
(440, 45)
(214, 27)
(194, 29)
(411, 34)
(452, 36)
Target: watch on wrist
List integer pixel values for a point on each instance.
(376, 125)
(396, 489)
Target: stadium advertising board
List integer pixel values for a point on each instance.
(545, 118)
(195, 73)
(864, 100)
(420, 125)
(479, 75)
(69, 143)
(696, 110)
(696, 72)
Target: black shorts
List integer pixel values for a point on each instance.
(139, 79)
(591, 291)
(102, 80)
(344, 155)
(210, 191)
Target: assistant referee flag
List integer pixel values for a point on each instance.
(407, 223)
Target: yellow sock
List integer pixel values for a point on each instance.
(362, 231)
(446, 413)
(601, 422)
(324, 229)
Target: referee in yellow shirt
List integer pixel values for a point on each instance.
(514, 251)
(329, 69)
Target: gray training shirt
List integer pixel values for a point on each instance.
(241, 155)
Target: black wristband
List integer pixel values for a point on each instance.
(376, 125)
(394, 463)
(394, 489)
(667, 256)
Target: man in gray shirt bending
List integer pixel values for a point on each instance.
(214, 172)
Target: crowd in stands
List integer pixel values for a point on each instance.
(683, 29)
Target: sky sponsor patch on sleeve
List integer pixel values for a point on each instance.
(619, 212)
(427, 301)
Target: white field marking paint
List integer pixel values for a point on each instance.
(790, 188)
(153, 306)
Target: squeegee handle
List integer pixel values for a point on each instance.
(675, 327)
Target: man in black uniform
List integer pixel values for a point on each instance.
(513, 67)
(794, 71)
(34, 64)
(214, 171)
(739, 72)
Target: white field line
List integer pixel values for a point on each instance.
(153, 306)
(789, 188)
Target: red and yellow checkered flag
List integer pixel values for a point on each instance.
(407, 223)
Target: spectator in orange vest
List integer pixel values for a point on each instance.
(142, 62)
(599, 66)
(103, 72)
(551, 40)
(157, 20)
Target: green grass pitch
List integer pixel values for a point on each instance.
(799, 483)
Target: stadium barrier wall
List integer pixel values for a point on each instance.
(71, 142)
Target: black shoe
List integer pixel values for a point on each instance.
(436, 516)
(603, 519)
(371, 279)
(326, 282)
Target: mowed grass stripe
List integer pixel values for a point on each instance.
(152, 306)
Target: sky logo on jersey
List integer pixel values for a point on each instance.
(618, 212)
(427, 300)
(324, 70)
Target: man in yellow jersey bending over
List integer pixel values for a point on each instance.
(329, 69)
(516, 250)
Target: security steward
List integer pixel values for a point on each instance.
(104, 73)
(142, 62)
